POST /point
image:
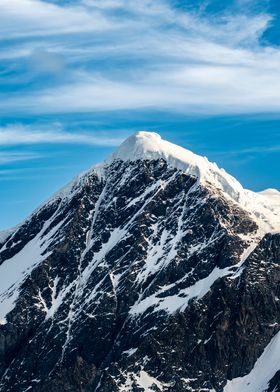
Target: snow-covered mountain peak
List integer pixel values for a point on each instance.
(264, 206)
(150, 146)
(139, 144)
(272, 196)
(128, 277)
(270, 192)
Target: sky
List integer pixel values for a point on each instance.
(77, 77)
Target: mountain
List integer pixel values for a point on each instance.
(153, 271)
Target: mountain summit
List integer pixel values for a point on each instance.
(149, 145)
(153, 271)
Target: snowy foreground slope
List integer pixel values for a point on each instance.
(154, 271)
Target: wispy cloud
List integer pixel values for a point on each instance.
(11, 157)
(29, 18)
(252, 150)
(106, 55)
(15, 135)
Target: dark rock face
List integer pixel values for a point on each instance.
(142, 281)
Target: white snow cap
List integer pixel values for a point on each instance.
(150, 145)
(265, 206)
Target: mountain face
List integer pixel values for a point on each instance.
(155, 271)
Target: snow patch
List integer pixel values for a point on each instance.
(130, 352)
(180, 301)
(4, 235)
(172, 303)
(263, 371)
(15, 270)
(142, 380)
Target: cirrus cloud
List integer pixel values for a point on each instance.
(15, 135)
(125, 55)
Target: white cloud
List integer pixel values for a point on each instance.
(27, 18)
(200, 88)
(170, 59)
(25, 135)
(44, 61)
(11, 157)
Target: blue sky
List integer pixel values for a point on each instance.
(79, 76)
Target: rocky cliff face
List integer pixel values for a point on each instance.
(139, 276)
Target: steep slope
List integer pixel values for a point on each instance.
(154, 271)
